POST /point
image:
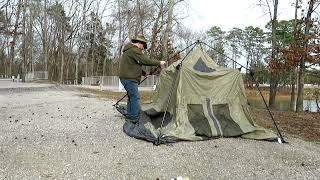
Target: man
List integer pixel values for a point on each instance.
(130, 74)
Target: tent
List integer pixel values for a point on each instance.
(195, 99)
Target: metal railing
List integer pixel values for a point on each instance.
(36, 75)
(113, 82)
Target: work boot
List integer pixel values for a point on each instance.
(121, 109)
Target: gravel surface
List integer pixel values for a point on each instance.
(55, 132)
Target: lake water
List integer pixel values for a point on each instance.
(283, 104)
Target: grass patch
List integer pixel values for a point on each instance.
(305, 125)
(144, 95)
(43, 81)
(309, 93)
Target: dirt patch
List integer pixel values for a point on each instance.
(283, 92)
(144, 95)
(305, 124)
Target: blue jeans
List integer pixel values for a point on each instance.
(133, 103)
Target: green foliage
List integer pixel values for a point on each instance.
(216, 33)
(97, 41)
(58, 15)
(312, 76)
(285, 32)
(217, 40)
(261, 73)
(250, 42)
(234, 39)
(254, 44)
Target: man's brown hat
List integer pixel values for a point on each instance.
(140, 38)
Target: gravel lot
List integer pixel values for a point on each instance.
(55, 132)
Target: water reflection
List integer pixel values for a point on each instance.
(283, 104)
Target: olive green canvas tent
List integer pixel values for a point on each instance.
(195, 99)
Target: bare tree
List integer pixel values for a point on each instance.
(168, 30)
(54, 34)
(274, 74)
(45, 35)
(15, 32)
(293, 74)
(308, 24)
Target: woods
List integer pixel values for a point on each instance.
(73, 39)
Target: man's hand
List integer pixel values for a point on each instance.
(145, 73)
(162, 63)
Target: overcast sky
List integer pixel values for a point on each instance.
(203, 14)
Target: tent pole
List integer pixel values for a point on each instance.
(280, 139)
(158, 142)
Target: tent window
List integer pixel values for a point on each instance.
(198, 120)
(201, 66)
(228, 125)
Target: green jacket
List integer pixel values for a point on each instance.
(131, 63)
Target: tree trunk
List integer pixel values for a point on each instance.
(14, 38)
(24, 60)
(299, 105)
(6, 60)
(120, 30)
(168, 30)
(104, 66)
(77, 68)
(234, 56)
(45, 36)
(30, 41)
(293, 73)
(93, 45)
(61, 50)
(62, 66)
(274, 75)
(139, 26)
(293, 92)
(86, 68)
(155, 31)
(79, 43)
